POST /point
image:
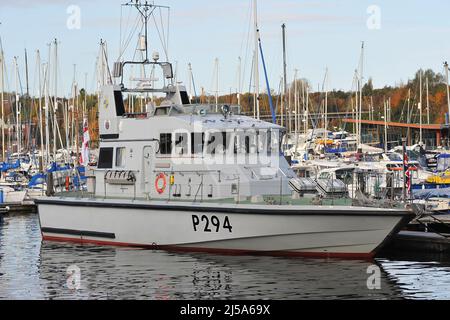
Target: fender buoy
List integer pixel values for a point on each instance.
(160, 183)
(67, 183)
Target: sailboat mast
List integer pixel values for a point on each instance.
(358, 132)
(26, 73)
(390, 110)
(428, 102)
(2, 97)
(55, 103)
(46, 114)
(289, 107)
(41, 133)
(47, 105)
(372, 110)
(190, 81)
(420, 104)
(448, 88)
(326, 104)
(385, 127)
(284, 72)
(361, 79)
(239, 81)
(18, 129)
(77, 125)
(307, 111)
(73, 110)
(27, 139)
(85, 94)
(256, 102)
(217, 80)
(295, 102)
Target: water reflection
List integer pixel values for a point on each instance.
(425, 278)
(114, 273)
(31, 270)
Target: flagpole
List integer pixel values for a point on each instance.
(404, 169)
(85, 146)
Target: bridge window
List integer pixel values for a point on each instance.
(165, 143)
(181, 143)
(217, 142)
(120, 157)
(120, 107)
(105, 159)
(197, 142)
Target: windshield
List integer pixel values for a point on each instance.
(394, 157)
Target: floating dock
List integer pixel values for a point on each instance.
(419, 241)
(18, 208)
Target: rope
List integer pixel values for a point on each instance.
(130, 37)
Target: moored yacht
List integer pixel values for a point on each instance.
(202, 177)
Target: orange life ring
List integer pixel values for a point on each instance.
(160, 188)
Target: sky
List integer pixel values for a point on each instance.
(400, 37)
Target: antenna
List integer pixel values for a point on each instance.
(146, 10)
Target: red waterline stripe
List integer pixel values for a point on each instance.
(231, 252)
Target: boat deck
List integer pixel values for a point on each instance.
(307, 200)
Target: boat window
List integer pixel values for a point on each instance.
(394, 157)
(105, 160)
(216, 143)
(263, 142)
(239, 144)
(269, 142)
(120, 157)
(345, 175)
(162, 111)
(184, 97)
(225, 139)
(197, 141)
(181, 143)
(165, 143)
(120, 107)
(324, 176)
(247, 144)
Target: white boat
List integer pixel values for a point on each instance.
(11, 196)
(221, 228)
(204, 178)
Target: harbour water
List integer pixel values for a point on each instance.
(30, 269)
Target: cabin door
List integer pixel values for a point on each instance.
(148, 169)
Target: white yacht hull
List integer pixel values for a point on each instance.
(304, 231)
(14, 197)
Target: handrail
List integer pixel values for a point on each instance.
(198, 172)
(200, 186)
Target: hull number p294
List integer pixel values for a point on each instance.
(211, 224)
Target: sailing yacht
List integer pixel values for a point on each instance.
(204, 178)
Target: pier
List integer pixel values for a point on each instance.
(434, 135)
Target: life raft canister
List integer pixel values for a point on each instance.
(160, 183)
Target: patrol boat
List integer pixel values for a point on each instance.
(202, 177)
